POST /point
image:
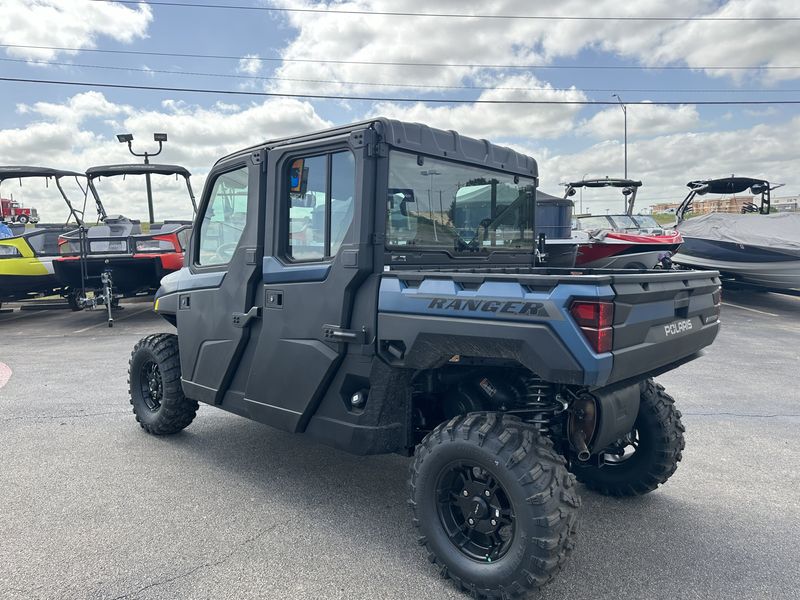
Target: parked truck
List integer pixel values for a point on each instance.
(12, 211)
(390, 327)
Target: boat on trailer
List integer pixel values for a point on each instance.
(754, 248)
(619, 241)
(120, 257)
(26, 254)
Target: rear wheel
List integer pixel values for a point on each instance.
(154, 380)
(647, 456)
(494, 504)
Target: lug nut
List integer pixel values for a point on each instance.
(471, 521)
(465, 493)
(487, 493)
(494, 522)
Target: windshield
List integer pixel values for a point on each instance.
(127, 195)
(589, 223)
(624, 222)
(441, 204)
(646, 222)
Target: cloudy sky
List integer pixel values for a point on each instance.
(293, 52)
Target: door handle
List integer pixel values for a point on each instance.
(242, 320)
(337, 334)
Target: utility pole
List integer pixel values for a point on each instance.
(625, 118)
(158, 137)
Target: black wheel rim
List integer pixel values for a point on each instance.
(151, 385)
(475, 511)
(624, 450)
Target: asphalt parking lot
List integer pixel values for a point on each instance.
(92, 507)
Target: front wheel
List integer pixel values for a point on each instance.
(22, 220)
(494, 504)
(645, 458)
(154, 380)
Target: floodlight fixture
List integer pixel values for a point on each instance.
(160, 137)
(125, 137)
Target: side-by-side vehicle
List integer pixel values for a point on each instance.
(343, 285)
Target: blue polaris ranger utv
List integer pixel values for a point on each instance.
(380, 287)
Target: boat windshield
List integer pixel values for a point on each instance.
(440, 204)
(646, 222)
(589, 223)
(624, 222)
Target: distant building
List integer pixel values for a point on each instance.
(729, 204)
(786, 204)
(664, 207)
(724, 204)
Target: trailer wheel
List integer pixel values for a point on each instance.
(154, 381)
(647, 456)
(494, 505)
(72, 300)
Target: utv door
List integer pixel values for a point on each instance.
(321, 255)
(225, 263)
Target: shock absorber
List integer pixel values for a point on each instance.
(542, 403)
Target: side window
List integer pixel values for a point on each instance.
(224, 219)
(343, 191)
(321, 201)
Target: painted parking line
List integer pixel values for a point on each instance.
(5, 374)
(755, 310)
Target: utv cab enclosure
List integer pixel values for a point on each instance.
(336, 286)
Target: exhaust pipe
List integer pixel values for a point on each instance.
(579, 442)
(582, 424)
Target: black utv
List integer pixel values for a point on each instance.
(380, 288)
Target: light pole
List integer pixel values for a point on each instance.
(432, 173)
(625, 117)
(158, 137)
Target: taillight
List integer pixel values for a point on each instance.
(595, 318)
(716, 299)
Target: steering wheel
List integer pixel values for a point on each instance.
(224, 253)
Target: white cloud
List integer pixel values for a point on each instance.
(493, 121)
(643, 120)
(62, 136)
(522, 41)
(72, 24)
(77, 108)
(666, 163)
(250, 64)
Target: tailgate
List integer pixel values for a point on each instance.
(661, 319)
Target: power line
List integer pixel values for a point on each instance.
(442, 15)
(407, 64)
(148, 70)
(387, 99)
